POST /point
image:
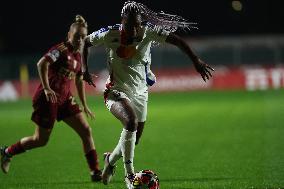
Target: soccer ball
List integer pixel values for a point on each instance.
(146, 179)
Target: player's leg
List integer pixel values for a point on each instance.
(82, 128)
(44, 116)
(123, 111)
(140, 108)
(80, 125)
(38, 139)
(139, 132)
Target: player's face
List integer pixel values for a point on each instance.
(132, 25)
(76, 36)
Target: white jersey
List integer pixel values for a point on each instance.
(131, 73)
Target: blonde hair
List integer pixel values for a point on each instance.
(79, 21)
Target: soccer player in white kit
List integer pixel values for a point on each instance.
(129, 58)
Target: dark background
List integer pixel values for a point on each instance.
(34, 26)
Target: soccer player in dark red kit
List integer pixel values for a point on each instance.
(54, 101)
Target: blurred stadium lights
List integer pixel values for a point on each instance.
(237, 5)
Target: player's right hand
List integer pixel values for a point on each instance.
(88, 112)
(50, 95)
(203, 69)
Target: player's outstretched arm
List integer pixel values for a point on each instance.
(86, 74)
(202, 68)
(82, 95)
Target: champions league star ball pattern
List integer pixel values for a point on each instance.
(146, 179)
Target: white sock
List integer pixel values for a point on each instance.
(116, 154)
(127, 143)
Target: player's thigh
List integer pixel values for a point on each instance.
(45, 113)
(79, 123)
(140, 107)
(124, 111)
(69, 109)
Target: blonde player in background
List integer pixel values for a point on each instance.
(53, 100)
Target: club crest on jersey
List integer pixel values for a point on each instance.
(54, 54)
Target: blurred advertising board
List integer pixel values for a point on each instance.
(186, 79)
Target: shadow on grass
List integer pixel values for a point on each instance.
(117, 181)
(197, 179)
(180, 180)
(54, 183)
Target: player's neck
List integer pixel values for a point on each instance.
(72, 47)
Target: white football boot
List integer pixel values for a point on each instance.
(129, 181)
(108, 170)
(5, 160)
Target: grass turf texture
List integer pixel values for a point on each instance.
(191, 140)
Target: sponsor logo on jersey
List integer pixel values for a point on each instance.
(102, 30)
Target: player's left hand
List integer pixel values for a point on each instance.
(203, 69)
(89, 113)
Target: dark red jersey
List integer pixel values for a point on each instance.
(65, 64)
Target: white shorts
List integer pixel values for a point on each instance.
(139, 103)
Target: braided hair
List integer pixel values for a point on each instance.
(168, 22)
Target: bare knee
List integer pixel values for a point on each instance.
(40, 141)
(131, 123)
(124, 111)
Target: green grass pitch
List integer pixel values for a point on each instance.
(191, 140)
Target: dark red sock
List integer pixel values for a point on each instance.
(15, 149)
(92, 159)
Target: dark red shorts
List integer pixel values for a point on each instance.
(45, 113)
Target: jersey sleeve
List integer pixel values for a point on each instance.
(53, 54)
(157, 34)
(99, 37)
